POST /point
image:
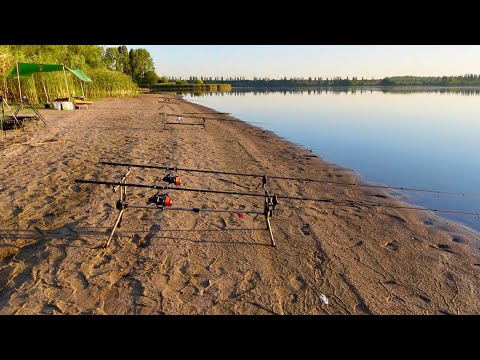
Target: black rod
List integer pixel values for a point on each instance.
(160, 187)
(348, 203)
(181, 123)
(233, 211)
(165, 167)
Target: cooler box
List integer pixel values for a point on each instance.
(67, 105)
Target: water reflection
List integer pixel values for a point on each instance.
(428, 139)
(337, 91)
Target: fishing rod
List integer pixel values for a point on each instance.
(202, 113)
(122, 206)
(348, 203)
(195, 117)
(182, 123)
(161, 187)
(164, 202)
(175, 168)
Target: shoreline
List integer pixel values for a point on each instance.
(399, 195)
(386, 261)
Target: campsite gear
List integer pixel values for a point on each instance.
(66, 105)
(270, 201)
(24, 70)
(3, 120)
(180, 122)
(164, 202)
(160, 200)
(171, 179)
(175, 168)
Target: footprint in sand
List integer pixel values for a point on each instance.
(51, 309)
(398, 218)
(359, 243)
(390, 282)
(76, 188)
(424, 298)
(148, 238)
(443, 312)
(306, 229)
(294, 298)
(361, 308)
(449, 276)
(298, 283)
(392, 245)
(444, 247)
(136, 239)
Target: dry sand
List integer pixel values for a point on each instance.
(380, 261)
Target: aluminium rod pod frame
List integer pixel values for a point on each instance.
(161, 203)
(202, 124)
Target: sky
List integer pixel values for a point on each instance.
(276, 61)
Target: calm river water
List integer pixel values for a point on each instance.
(426, 139)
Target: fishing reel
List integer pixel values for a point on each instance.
(160, 200)
(270, 203)
(172, 179)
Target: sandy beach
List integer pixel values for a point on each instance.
(328, 260)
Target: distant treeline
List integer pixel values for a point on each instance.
(191, 87)
(338, 91)
(256, 82)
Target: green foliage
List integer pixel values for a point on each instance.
(108, 83)
(387, 82)
(137, 63)
(91, 59)
(199, 82)
(140, 64)
(113, 59)
(298, 82)
(163, 80)
(124, 60)
(150, 78)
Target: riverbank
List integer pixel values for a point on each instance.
(381, 261)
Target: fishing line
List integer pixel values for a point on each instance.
(174, 168)
(348, 203)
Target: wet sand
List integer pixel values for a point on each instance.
(363, 260)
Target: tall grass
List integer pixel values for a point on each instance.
(40, 88)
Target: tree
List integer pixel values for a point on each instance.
(163, 80)
(140, 63)
(112, 59)
(150, 78)
(199, 82)
(124, 60)
(387, 82)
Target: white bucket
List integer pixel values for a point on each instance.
(57, 105)
(67, 105)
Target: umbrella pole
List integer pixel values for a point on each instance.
(19, 87)
(83, 94)
(44, 88)
(66, 83)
